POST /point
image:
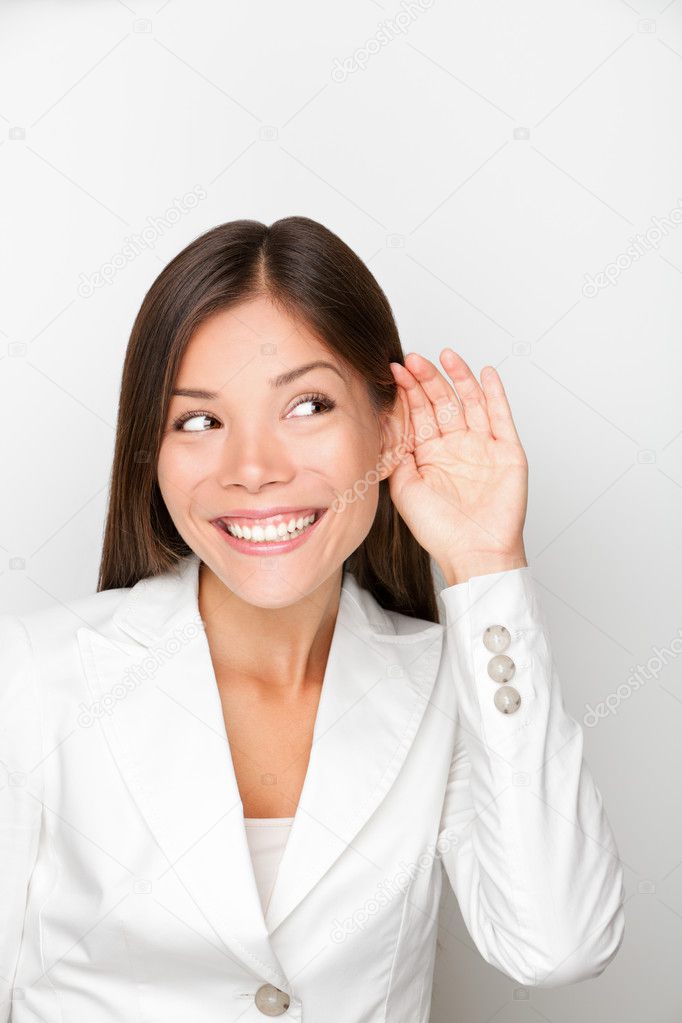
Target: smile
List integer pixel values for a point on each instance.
(269, 536)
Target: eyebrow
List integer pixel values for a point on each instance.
(279, 381)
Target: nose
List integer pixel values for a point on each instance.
(252, 456)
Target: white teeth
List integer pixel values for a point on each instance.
(261, 534)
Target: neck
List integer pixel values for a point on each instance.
(282, 651)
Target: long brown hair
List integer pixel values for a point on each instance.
(309, 272)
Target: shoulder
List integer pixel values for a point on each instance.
(380, 620)
(51, 629)
(40, 666)
(407, 625)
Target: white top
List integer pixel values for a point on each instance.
(267, 837)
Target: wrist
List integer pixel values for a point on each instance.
(483, 563)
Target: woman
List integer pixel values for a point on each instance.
(236, 773)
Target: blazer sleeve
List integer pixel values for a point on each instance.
(21, 794)
(524, 837)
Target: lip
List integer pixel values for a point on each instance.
(274, 547)
(266, 513)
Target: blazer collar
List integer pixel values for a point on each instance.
(167, 737)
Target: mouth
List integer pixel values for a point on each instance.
(276, 532)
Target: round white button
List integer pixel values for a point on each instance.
(271, 1001)
(507, 699)
(496, 639)
(501, 668)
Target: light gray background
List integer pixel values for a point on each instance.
(483, 160)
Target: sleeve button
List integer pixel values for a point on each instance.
(496, 639)
(501, 668)
(507, 699)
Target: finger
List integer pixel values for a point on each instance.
(471, 395)
(501, 422)
(447, 409)
(424, 425)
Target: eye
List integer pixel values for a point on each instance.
(314, 399)
(196, 416)
(188, 417)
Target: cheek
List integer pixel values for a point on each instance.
(349, 455)
(352, 472)
(178, 470)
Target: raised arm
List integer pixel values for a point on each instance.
(524, 837)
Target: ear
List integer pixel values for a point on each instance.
(395, 434)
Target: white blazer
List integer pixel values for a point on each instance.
(126, 885)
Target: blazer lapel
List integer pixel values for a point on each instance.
(155, 693)
(375, 690)
(167, 737)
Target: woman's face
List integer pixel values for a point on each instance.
(265, 437)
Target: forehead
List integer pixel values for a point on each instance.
(254, 338)
(253, 323)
